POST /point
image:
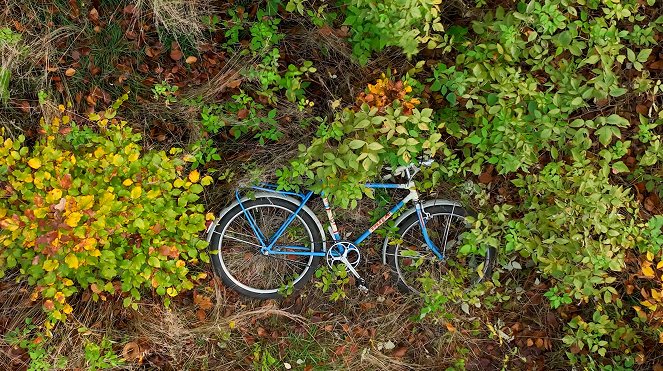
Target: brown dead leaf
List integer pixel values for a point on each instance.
(191, 59)
(131, 352)
(65, 181)
(325, 31)
(203, 302)
(60, 206)
(450, 327)
(243, 113)
(658, 65)
(70, 72)
(201, 315)
(652, 203)
(176, 54)
(399, 352)
(25, 106)
(530, 342)
(344, 31)
(642, 109)
(94, 15)
(234, 84)
(262, 332)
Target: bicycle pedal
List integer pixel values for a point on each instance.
(361, 286)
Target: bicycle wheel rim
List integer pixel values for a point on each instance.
(264, 263)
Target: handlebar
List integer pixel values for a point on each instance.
(411, 169)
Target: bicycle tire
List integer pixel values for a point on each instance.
(258, 265)
(409, 274)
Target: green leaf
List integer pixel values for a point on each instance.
(619, 167)
(644, 55)
(356, 144)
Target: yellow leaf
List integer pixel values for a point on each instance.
(95, 252)
(207, 180)
(67, 309)
(231, 324)
(154, 193)
(194, 176)
(133, 157)
(209, 216)
(127, 182)
(136, 192)
(87, 244)
(50, 265)
(656, 295)
(118, 160)
(647, 271)
(72, 261)
(171, 291)
(54, 196)
(85, 202)
(650, 256)
(99, 152)
(660, 337)
(67, 282)
(59, 297)
(34, 163)
(178, 183)
(73, 219)
(180, 263)
(659, 265)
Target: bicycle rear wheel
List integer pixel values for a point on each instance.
(418, 267)
(236, 248)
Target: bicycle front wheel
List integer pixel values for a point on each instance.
(418, 267)
(236, 250)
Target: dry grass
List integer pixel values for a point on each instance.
(182, 19)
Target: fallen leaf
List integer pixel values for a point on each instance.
(234, 84)
(94, 15)
(191, 60)
(70, 72)
(176, 54)
(131, 352)
(201, 315)
(400, 352)
(243, 113)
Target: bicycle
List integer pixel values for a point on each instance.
(261, 245)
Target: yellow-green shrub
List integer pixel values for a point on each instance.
(97, 215)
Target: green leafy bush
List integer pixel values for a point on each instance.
(101, 215)
(356, 146)
(402, 23)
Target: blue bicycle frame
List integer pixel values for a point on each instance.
(269, 244)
